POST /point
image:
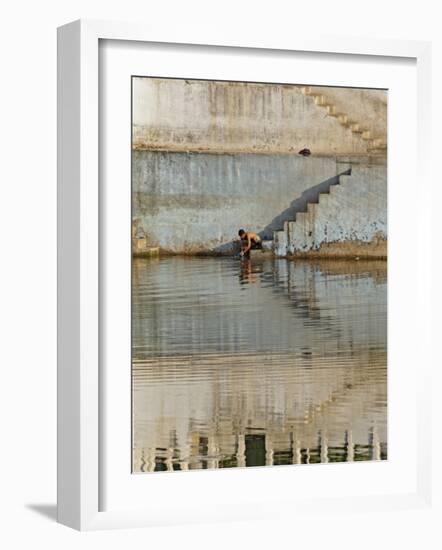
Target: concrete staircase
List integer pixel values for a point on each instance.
(354, 209)
(374, 144)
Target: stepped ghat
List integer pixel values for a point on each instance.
(210, 157)
(347, 219)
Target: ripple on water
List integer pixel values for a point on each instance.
(244, 363)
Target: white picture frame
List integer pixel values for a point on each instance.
(79, 265)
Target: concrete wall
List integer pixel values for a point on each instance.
(192, 115)
(354, 211)
(197, 202)
(368, 107)
(212, 157)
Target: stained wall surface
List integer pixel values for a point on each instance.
(185, 202)
(196, 115)
(212, 157)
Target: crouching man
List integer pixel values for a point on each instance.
(249, 241)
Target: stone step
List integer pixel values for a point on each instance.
(324, 198)
(339, 116)
(350, 123)
(261, 253)
(267, 245)
(313, 225)
(280, 243)
(356, 128)
(321, 100)
(307, 90)
(331, 111)
(379, 143)
(144, 251)
(311, 207)
(300, 217)
(327, 221)
(301, 233)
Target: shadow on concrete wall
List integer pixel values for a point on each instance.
(310, 195)
(230, 248)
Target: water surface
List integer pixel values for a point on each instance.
(259, 362)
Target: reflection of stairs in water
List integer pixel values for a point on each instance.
(299, 288)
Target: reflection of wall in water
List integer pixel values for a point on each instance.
(290, 408)
(177, 401)
(292, 358)
(326, 312)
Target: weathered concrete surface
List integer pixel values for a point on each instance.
(367, 107)
(190, 203)
(210, 157)
(235, 117)
(377, 248)
(350, 220)
(141, 250)
(261, 254)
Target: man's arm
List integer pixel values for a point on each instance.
(249, 244)
(245, 247)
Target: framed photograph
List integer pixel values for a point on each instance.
(230, 336)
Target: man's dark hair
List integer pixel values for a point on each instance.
(241, 232)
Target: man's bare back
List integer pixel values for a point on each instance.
(249, 241)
